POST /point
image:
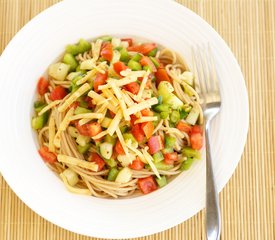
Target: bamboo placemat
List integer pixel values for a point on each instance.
(247, 201)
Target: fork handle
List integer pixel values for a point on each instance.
(213, 221)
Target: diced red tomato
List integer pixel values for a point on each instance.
(119, 66)
(107, 52)
(184, 127)
(146, 61)
(147, 112)
(162, 75)
(155, 144)
(58, 93)
(132, 87)
(47, 156)
(143, 48)
(129, 40)
(169, 158)
(89, 102)
(148, 129)
(137, 164)
(100, 79)
(147, 185)
(74, 105)
(133, 119)
(196, 141)
(138, 132)
(42, 86)
(89, 129)
(118, 148)
(94, 157)
(196, 129)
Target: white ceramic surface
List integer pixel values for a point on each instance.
(40, 42)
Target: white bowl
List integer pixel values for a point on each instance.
(40, 42)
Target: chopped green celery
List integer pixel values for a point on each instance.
(155, 123)
(124, 56)
(129, 137)
(77, 78)
(111, 162)
(156, 63)
(73, 87)
(188, 109)
(73, 132)
(193, 115)
(83, 46)
(124, 175)
(70, 60)
(169, 141)
(106, 150)
(118, 48)
(159, 99)
(187, 164)
(112, 174)
(82, 140)
(161, 181)
(101, 59)
(189, 152)
(83, 104)
(153, 52)
(110, 139)
(123, 129)
(175, 116)
(158, 116)
(126, 160)
(167, 150)
(73, 49)
(147, 166)
(165, 89)
(80, 70)
(71, 176)
(40, 121)
(59, 71)
(162, 108)
(38, 106)
(137, 57)
(80, 110)
(183, 114)
(172, 125)
(73, 75)
(163, 166)
(83, 149)
(135, 66)
(158, 157)
(146, 68)
(164, 115)
(173, 101)
(106, 38)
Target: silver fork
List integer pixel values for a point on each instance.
(208, 89)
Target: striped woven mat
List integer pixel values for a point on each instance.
(248, 200)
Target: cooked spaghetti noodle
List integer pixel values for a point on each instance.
(116, 118)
